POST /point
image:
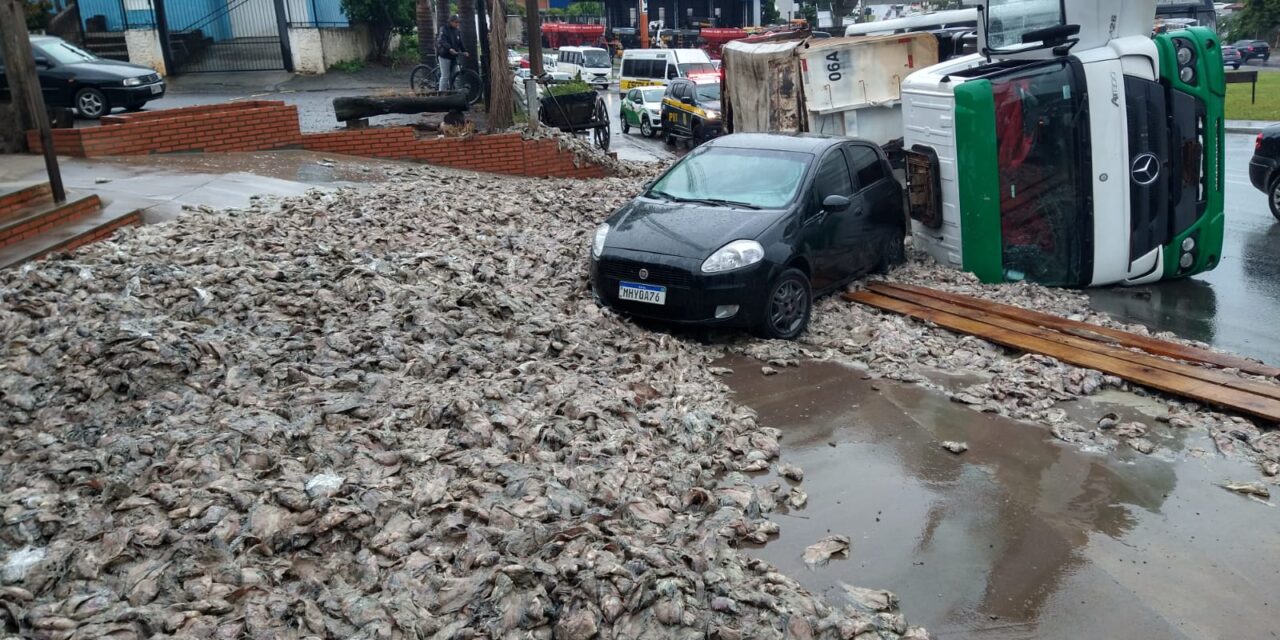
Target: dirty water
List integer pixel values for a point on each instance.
(1020, 536)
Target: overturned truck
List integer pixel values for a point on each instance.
(837, 86)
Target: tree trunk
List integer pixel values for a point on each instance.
(367, 106)
(500, 99)
(442, 15)
(485, 53)
(467, 12)
(426, 33)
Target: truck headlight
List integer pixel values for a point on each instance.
(735, 255)
(1184, 56)
(132, 82)
(1187, 75)
(597, 244)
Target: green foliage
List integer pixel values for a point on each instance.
(348, 66)
(1259, 19)
(385, 18)
(406, 52)
(810, 13)
(569, 88)
(39, 12)
(591, 9)
(769, 12)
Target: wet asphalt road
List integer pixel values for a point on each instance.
(1234, 307)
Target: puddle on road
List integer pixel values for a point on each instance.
(1021, 536)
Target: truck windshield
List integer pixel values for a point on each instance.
(1009, 20)
(697, 68)
(760, 178)
(1046, 220)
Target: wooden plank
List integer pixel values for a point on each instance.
(1095, 332)
(1215, 376)
(1195, 389)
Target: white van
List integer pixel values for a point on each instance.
(646, 67)
(592, 62)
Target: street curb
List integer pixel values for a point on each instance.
(1247, 130)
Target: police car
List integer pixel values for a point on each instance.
(691, 110)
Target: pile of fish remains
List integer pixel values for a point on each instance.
(394, 413)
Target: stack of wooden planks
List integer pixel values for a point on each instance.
(1193, 373)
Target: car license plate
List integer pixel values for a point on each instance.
(157, 88)
(645, 293)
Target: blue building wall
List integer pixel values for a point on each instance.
(210, 16)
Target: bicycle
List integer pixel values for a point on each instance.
(426, 78)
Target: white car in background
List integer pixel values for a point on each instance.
(513, 58)
(517, 84)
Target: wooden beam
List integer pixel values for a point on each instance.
(1215, 376)
(1226, 397)
(1095, 332)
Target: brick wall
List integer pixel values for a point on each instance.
(53, 217)
(22, 198)
(261, 125)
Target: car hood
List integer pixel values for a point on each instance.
(712, 105)
(111, 69)
(653, 106)
(684, 229)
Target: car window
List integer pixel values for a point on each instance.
(708, 92)
(866, 165)
(631, 95)
(832, 178)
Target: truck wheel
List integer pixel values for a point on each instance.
(787, 304)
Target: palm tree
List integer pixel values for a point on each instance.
(426, 33)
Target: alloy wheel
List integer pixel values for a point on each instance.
(646, 127)
(90, 104)
(788, 307)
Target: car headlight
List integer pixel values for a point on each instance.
(735, 255)
(656, 114)
(597, 245)
(132, 82)
(713, 115)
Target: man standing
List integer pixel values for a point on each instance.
(449, 48)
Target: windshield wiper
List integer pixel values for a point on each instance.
(719, 202)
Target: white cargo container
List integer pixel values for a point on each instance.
(836, 86)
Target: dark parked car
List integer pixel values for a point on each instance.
(74, 78)
(1231, 57)
(745, 229)
(1253, 50)
(1264, 168)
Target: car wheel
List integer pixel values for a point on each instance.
(646, 127)
(91, 103)
(626, 126)
(696, 139)
(669, 139)
(787, 306)
(1275, 198)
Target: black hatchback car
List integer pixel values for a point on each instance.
(1264, 168)
(1253, 50)
(74, 78)
(745, 229)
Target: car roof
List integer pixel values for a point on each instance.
(805, 142)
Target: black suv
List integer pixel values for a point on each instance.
(1264, 168)
(1253, 49)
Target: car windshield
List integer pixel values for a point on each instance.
(653, 95)
(64, 53)
(696, 68)
(761, 178)
(595, 58)
(708, 92)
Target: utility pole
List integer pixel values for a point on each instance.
(535, 36)
(24, 87)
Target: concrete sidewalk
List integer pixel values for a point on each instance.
(1247, 126)
(371, 77)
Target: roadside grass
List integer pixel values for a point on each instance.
(1267, 107)
(348, 66)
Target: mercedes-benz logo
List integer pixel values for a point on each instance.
(644, 274)
(1145, 169)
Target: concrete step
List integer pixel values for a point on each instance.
(68, 237)
(18, 196)
(37, 219)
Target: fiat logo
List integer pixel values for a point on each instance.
(644, 274)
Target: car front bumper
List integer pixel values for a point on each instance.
(1262, 170)
(691, 296)
(134, 95)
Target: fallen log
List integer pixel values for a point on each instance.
(354, 108)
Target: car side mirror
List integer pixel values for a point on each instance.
(42, 62)
(836, 203)
(686, 100)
